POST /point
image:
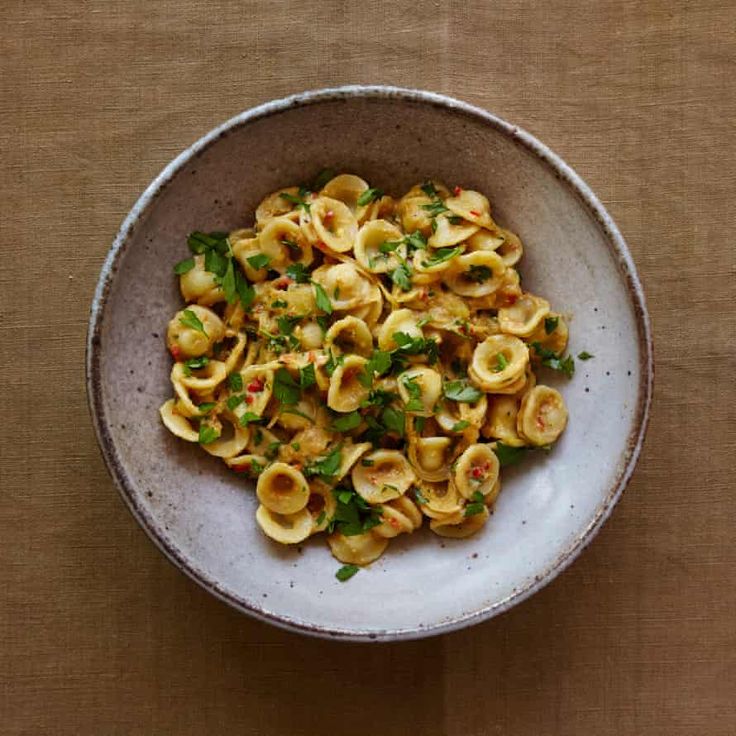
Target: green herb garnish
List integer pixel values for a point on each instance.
(461, 425)
(235, 381)
(550, 324)
(501, 363)
(479, 274)
(508, 455)
(190, 319)
(585, 355)
(321, 298)
(551, 359)
(370, 195)
(207, 434)
(184, 266)
(258, 261)
(461, 391)
(307, 376)
(346, 572)
(297, 272)
(285, 388)
(249, 417)
(441, 255)
(347, 422)
(394, 420)
(477, 506)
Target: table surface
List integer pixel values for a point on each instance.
(99, 634)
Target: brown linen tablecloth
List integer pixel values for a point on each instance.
(100, 635)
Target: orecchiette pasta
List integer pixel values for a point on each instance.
(368, 361)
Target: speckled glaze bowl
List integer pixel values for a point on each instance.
(202, 516)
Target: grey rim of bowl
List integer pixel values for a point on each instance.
(521, 137)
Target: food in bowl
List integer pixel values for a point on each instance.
(370, 362)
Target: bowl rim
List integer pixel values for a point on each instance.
(562, 170)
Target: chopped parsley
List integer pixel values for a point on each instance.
(508, 455)
(370, 195)
(353, 515)
(258, 261)
(207, 434)
(461, 391)
(501, 363)
(414, 390)
(297, 272)
(199, 242)
(279, 304)
(184, 266)
(346, 572)
(249, 417)
(479, 274)
(321, 298)
(441, 255)
(401, 276)
(326, 467)
(307, 376)
(299, 202)
(419, 497)
(234, 401)
(394, 420)
(347, 422)
(585, 355)
(189, 319)
(196, 364)
(409, 345)
(550, 324)
(461, 425)
(285, 388)
(476, 506)
(551, 359)
(207, 407)
(235, 381)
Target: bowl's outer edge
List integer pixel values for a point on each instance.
(528, 141)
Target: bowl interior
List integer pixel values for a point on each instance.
(203, 515)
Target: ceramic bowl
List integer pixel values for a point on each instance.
(202, 516)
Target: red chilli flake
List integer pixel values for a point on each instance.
(477, 472)
(175, 352)
(329, 217)
(256, 386)
(241, 468)
(457, 191)
(248, 399)
(475, 213)
(282, 283)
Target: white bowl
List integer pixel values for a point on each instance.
(202, 516)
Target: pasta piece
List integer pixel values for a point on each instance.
(199, 285)
(201, 380)
(346, 188)
(349, 455)
(321, 505)
(193, 332)
(283, 243)
(476, 471)
(258, 384)
(247, 252)
(511, 250)
(420, 389)
(501, 422)
(542, 415)
(376, 245)
(285, 528)
(551, 334)
(388, 475)
(231, 446)
(176, 423)
(459, 526)
(476, 274)
(447, 232)
(523, 316)
(347, 391)
(350, 335)
(334, 224)
(360, 549)
(276, 204)
(282, 489)
(430, 457)
(499, 364)
(344, 284)
(439, 500)
(473, 207)
(486, 240)
(405, 321)
(400, 516)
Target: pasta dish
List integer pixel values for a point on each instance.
(370, 362)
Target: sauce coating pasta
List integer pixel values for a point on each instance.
(370, 362)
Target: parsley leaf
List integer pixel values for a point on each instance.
(419, 497)
(501, 363)
(346, 572)
(298, 201)
(416, 240)
(235, 381)
(441, 255)
(477, 506)
(508, 455)
(199, 242)
(326, 467)
(228, 283)
(321, 298)
(190, 319)
(215, 262)
(409, 345)
(285, 388)
(307, 376)
(394, 420)
(234, 401)
(184, 266)
(347, 422)
(370, 195)
(279, 304)
(401, 276)
(550, 324)
(207, 434)
(245, 291)
(435, 208)
(415, 393)
(479, 274)
(461, 391)
(551, 359)
(258, 261)
(207, 407)
(195, 364)
(249, 417)
(461, 425)
(585, 355)
(297, 272)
